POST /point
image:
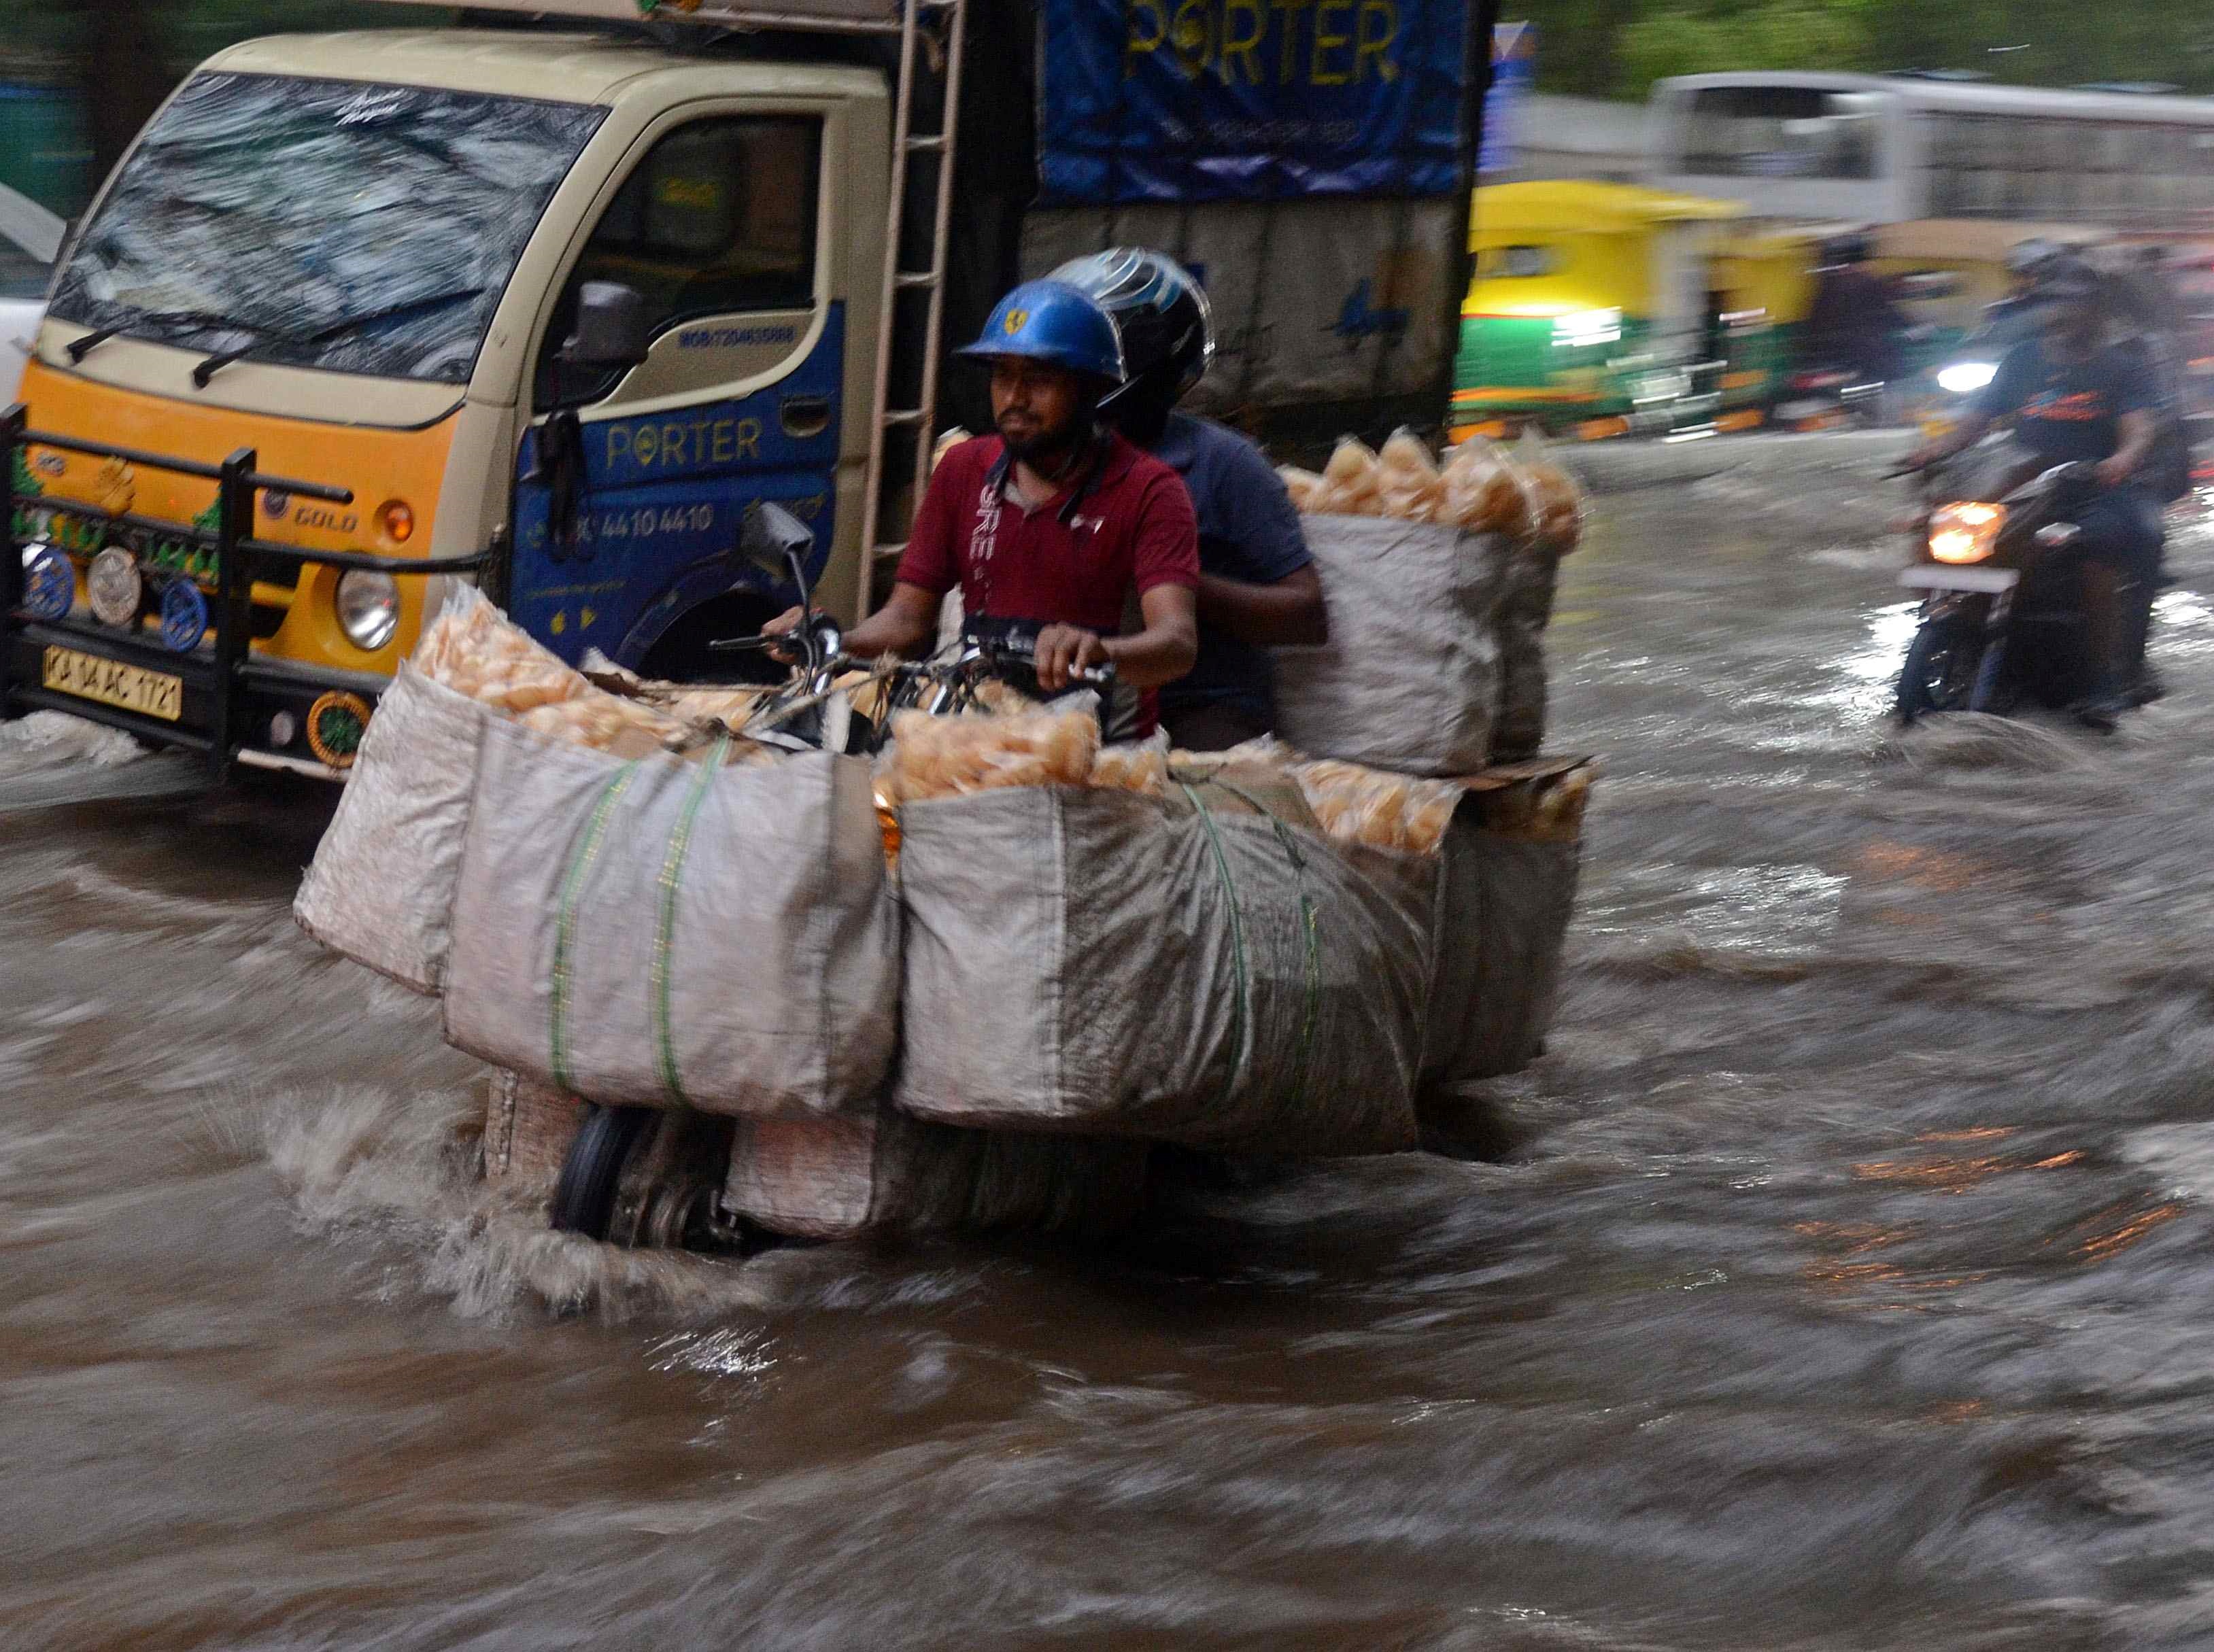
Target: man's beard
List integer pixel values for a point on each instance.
(1045, 451)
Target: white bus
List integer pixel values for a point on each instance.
(1884, 149)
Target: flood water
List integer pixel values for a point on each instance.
(1843, 1276)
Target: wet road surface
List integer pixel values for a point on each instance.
(1842, 1277)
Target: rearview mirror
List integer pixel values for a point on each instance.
(611, 327)
(776, 542)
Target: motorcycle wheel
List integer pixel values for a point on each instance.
(1940, 673)
(585, 1198)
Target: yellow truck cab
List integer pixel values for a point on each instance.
(360, 311)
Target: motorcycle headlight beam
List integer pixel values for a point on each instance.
(1966, 378)
(1966, 532)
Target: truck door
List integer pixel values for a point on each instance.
(630, 489)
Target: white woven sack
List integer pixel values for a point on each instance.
(381, 887)
(1093, 962)
(657, 932)
(1409, 680)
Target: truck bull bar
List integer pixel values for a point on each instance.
(223, 685)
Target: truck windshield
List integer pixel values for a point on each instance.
(324, 223)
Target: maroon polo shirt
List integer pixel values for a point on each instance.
(1080, 559)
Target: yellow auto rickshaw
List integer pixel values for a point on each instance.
(1595, 309)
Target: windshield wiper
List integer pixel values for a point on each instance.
(216, 364)
(79, 349)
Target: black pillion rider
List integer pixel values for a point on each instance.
(2076, 391)
(1257, 587)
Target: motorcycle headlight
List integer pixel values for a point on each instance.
(1966, 532)
(1966, 378)
(369, 608)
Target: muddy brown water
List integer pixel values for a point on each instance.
(1842, 1277)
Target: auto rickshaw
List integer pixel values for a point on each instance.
(1594, 310)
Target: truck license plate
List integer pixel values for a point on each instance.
(150, 693)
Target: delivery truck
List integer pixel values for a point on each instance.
(545, 301)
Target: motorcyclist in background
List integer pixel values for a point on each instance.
(1854, 324)
(1257, 587)
(2078, 391)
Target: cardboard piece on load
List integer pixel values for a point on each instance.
(715, 14)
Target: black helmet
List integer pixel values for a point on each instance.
(2064, 278)
(2026, 258)
(1168, 329)
(1854, 246)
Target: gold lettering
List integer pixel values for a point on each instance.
(672, 444)
(749, 430)
(643, 444)
(618, 442)
(699, 429)
(1190, 36)
(1287, 58)
(1245, 46)
(1377, 45)
(724, 448)
(1317, 76)
(1134, 44)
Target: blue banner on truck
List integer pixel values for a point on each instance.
(1250, 100)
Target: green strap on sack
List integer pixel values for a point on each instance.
(1240, 1005)
(672, 878)
(581, 861)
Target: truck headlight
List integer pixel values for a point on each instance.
(1966, 532)
(1966, 378)
(369, 608)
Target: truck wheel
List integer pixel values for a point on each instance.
(585, 1198)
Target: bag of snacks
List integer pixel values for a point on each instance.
(1091, 962)
(1484, 493)
(1409, 482)
(381, 887)
(1410, 679)
(1495, 860)
(660, 933)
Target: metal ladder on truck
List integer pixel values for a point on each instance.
(919, 422)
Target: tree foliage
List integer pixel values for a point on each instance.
(1618, 48)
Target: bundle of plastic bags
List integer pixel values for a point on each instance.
(474, 649)
(1481, 488)
(1355, 804)
(953, 757)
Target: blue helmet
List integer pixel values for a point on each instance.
(1052, 321)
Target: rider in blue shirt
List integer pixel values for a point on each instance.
(1257, 587)
(2078, 392)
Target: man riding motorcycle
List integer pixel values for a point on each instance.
(1057, 522)
(1258, 586)
(2073, 392)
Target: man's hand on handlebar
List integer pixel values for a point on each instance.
(783, 626)
(1065, 650)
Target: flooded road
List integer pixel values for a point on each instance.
(1842, 1277)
